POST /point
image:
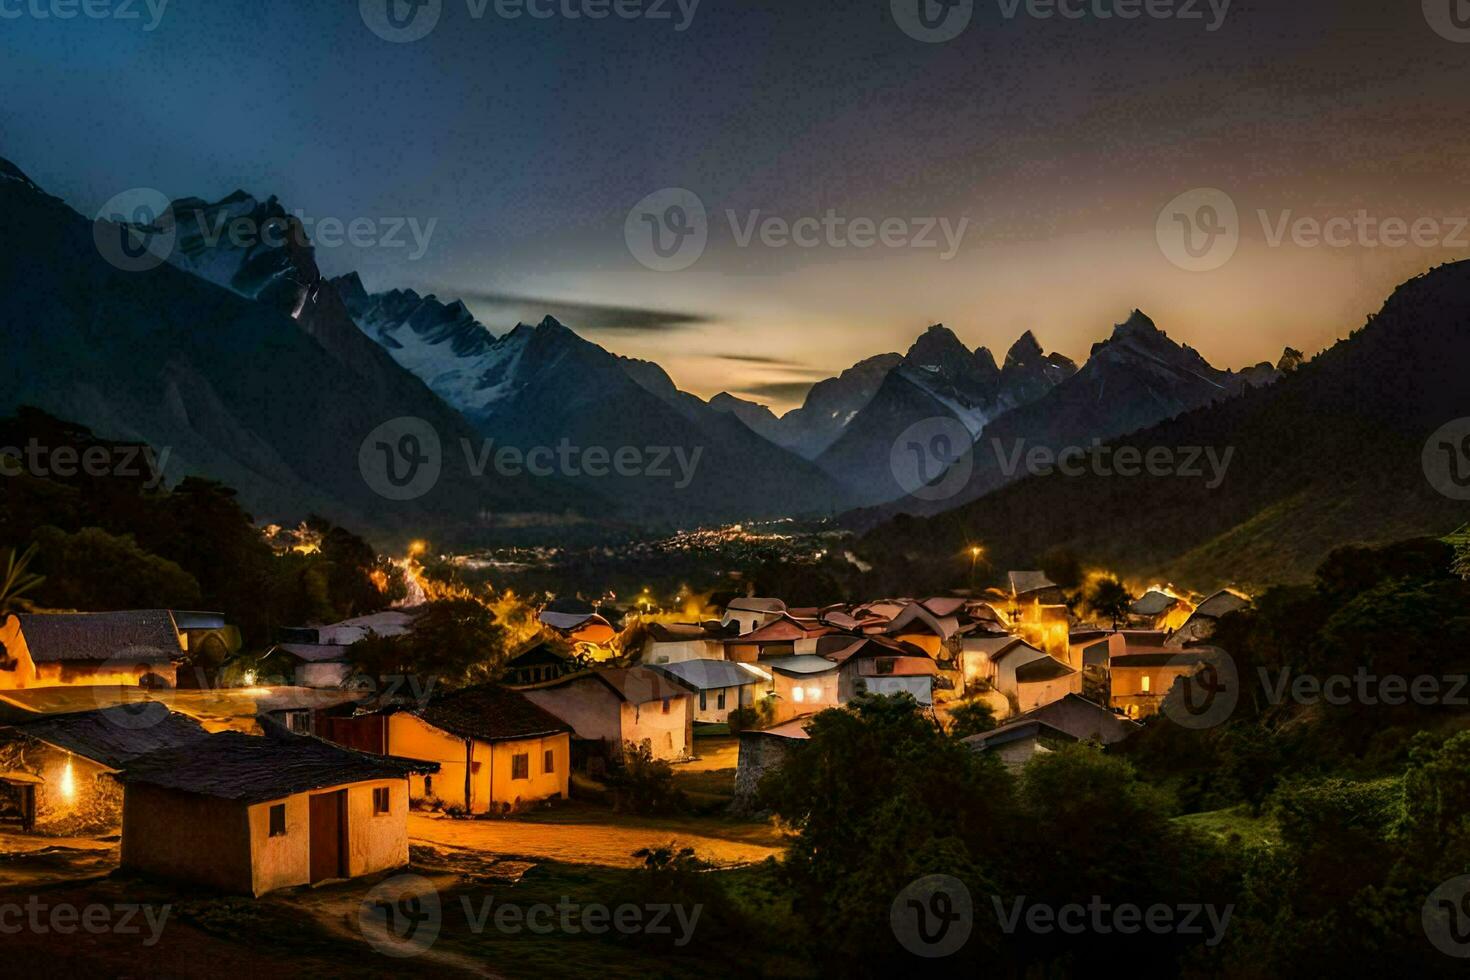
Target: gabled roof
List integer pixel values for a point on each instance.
(1082, 718)
(194, 619)
(783, 629)
(490, 713)
(708, 674)
(540, 655)
(112, 736)
(575, 622)
(1222, 602)
(256, 768)
(944, 605)
(139, 635)
(793, 729)
(635, 685)
(1020, 648)
(917, 618)
(1042, 669)
(683, 632)
(993, 644)
(756, 604)
(799, 665)
(840, 649)
(1152, 603)
(1023, 582)
(1014, 732)
(313, 653)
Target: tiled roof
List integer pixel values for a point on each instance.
(1152, 603)
(139, 635)
(1042, 669)
(491, 713)
(256, 768)
(112, 736)
(707, 675)
(1027, 581)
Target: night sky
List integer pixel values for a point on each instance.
(1056, 141)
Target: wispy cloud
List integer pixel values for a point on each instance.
(506, 309)
(788, 391)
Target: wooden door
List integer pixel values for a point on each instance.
(329, 836)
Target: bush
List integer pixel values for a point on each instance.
(639, 783)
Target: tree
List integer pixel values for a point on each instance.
(95, 570)
(454, 642)
(17, 581)
(1107, 596)
(971, 718)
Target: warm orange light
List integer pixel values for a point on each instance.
(68, 783)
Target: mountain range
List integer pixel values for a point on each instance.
(1335, 453)
(149, 356)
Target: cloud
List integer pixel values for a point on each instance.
(506, 309)
(789, 391)
(764, 361)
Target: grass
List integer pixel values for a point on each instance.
(1232, 822)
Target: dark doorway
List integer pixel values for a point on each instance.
(329, 836)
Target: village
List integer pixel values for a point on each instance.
(285, 771)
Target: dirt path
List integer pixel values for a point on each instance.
(606, 844)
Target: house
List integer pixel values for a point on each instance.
(979, 652)
(312, 664)
(1028, 587)
(577, 622)
(1139, 680)
(494, 747)
(139, 647)
(672, 643)
(879, 666)
(388, 622)
(783, 636)
(760, 752)
(1043, 680)
(249, 814)
(749, 613)
(210, 642)
(70, 757)
(1201, 623)
(615, 706)
(1157, 609)
(1007, 659)
(718, 687)
(542, 662)
(802, 684)
(1094, 647)
(1018, 742)
(935, 633)
(1082, 719)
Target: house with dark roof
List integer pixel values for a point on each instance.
(611, 707)
(718, 687)
(69, 757)
(248, 814)
(1139, 679)
(1157, 609)
(495, 748)
(133, 647)
(672, 643)
(1018, 742)
(879, 665)
(543, 662)
(1043, 680)
(802, 684)
(762, 750)
(1083, 719)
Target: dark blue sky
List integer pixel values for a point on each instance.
(528, 141)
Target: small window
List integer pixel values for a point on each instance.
(380, 800)
(703, 700)
(548, 761)
(278, 820)
(798, 695)
(720, 700)
(885, 665)
(520, 765)
(1145, 683)
(666, 705)
(298, 722)
(428, 785)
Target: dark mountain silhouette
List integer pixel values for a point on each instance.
(1332, 454)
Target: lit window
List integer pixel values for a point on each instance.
(1145, 683)
(548, 761)
(278, 820)
(520, 765)
(380, 800)
(798, 695)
